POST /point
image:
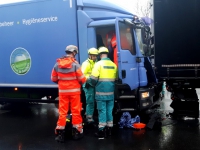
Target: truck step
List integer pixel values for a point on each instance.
(127, 109)
(126, 97)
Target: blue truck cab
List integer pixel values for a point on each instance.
(34, 33)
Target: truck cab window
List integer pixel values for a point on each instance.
(139, 38)
(126, 38)
(104, 34)
(99, 41)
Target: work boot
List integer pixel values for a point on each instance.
(76, 134)
(101, 133)
(60, 135)
(89, 125)
(109, 131)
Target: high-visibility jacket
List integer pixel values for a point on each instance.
(67, 73)
(103, 78)
(87, 67)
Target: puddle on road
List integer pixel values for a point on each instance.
(4, 111)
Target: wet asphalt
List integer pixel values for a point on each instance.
(31, 127)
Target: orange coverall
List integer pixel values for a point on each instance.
(114, 47)
(67, 73)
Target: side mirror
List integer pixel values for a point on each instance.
(147, 28)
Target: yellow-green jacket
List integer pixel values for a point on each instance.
(87, 67)
(103, 78)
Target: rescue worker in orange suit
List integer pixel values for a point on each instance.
(87, 67)
(69, 77)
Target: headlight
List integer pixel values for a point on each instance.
(145, 94)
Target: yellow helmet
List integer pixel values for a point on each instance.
(93, 51)
(103, 50)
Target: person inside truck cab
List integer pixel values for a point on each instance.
(113, 43)
(112, 46)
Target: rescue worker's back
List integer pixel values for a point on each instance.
(105, 70)
(67, 70)
(67, 73)
(103, 78)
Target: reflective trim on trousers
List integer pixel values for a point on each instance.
(110, 124)
(104, 93)
(66, 78)
(89, 118)
(77, 125)
(107, 79)
(71, 90)
(60, 127)
(102, 125)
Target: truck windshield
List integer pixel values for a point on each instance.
(126, 37)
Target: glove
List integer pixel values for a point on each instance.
(87, 85)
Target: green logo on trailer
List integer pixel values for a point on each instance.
(20, 61)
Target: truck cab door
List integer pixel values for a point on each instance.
(126, 53)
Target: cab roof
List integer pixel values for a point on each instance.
(102, 4)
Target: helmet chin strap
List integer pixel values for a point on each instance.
(90, 57)
(74, 54)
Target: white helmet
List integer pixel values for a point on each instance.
(71, 48)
